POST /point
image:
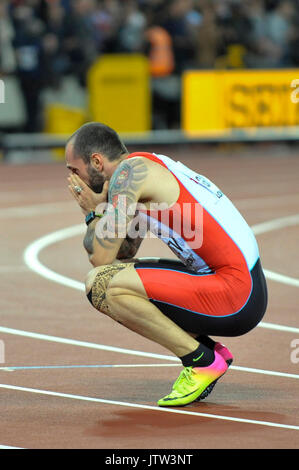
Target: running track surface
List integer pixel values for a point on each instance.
(50, 326)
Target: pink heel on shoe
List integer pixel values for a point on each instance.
(221, 366)
(224, 352)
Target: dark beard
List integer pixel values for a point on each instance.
(96, 179)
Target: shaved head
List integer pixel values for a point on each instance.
(95, 137)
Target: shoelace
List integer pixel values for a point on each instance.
(185, 376)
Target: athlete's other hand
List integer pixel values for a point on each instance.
(87, 199)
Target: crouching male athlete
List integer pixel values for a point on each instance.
(215, 287)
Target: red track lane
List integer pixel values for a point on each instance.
(264, 187)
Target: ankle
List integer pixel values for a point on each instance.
(200, 357)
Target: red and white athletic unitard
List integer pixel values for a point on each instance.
(217, 285)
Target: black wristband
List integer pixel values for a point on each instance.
(91, 216)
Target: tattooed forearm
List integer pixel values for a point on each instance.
(129, 248)
(123, 195)
(89, 238)
(104, 234)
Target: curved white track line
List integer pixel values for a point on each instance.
(32, 252)
(276, 224)
(31, 259)
(289, 281)
(269, 226)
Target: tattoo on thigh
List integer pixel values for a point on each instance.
(101, 283)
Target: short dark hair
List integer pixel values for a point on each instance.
(95, 137)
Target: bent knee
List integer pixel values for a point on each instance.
(97, 282)
(90, 278)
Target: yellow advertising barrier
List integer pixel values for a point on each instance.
(62, 119)
(217, 102)
(119, 92)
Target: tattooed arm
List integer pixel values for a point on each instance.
(106, 239)
(129, 248)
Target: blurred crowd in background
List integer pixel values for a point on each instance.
(42, 41)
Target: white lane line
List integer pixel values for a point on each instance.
(276, 224)
(252, 370)
(131, 352)
(273, 326)
(31, 258)
(87, 366)
(9, 447)
(32, 251)
(85, 344)
(282, 278)
(269, 226)
(148, 407)
(77, 230)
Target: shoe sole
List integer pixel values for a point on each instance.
(209, 389)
